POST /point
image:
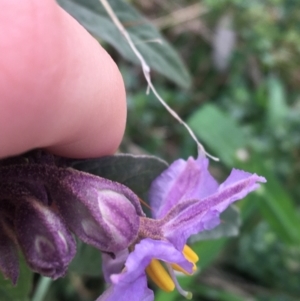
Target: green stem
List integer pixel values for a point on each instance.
(41, 289)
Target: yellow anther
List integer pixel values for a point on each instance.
(176, 267)
(189, 254)
(160, 276)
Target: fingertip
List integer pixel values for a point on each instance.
(96, 123)
(70, 96)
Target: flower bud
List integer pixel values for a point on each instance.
(100, 212)
(47, 244)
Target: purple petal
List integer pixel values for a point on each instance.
(183, 180)
(134, 291)
(112, 265)
(194, 216)
(9, 263)
(134, 271)
(47, 244)
(131, 284)
(100, 212)
(142, 255)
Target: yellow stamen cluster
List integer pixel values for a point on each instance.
(161, 277)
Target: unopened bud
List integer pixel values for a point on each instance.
(100, 212)
(47, 244)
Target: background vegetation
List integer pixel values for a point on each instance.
(240, 93)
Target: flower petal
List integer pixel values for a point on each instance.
(194, 216)
(134, 271)
(47, 244)
(112, 265)
(142, 255)
(183, 180)
(135, 291)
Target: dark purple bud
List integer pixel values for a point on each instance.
(100, 212)
(9, 263)
(47, 244)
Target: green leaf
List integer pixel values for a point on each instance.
(275, 203)
(212, 293)
(277, 106)
(161, 57)
(87, 261)
(230, 223)
(219, 132)
(208, 251)
(135, 172)
(21, 291)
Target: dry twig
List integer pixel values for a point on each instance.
(146, 72)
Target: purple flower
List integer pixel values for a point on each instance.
(185, 200)
(42, 204)
(131, 283)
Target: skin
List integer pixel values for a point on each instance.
(59, 89)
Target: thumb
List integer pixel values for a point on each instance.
(59, 88)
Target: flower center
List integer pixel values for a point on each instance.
(167, 281)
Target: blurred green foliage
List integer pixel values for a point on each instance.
(20, 292)
(244, 105)
(247, 114)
